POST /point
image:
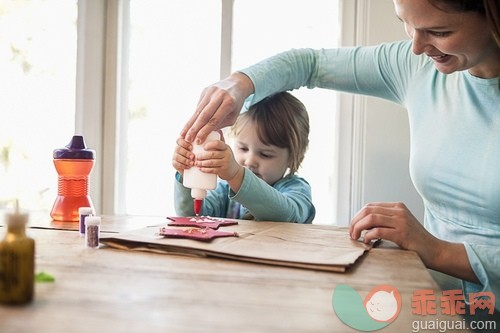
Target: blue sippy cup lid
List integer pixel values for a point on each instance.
(75, 149)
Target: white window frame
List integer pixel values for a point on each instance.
(89, 117)
(350, 123)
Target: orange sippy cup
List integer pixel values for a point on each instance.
(73, 164)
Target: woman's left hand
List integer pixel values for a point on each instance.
(391, 221)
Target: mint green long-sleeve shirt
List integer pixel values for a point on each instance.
(454, 128)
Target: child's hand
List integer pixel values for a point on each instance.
(183, 156)
(219, 159)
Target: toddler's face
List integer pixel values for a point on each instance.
(268, 162)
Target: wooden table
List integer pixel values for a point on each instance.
(110, 290)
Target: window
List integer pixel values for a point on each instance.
(166, 53)
(38, 63)
(175, 51)
(263, 28)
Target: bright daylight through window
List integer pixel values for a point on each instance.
(175, 52)
(37, 85)
(171, 51)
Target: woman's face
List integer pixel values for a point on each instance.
(455, 41)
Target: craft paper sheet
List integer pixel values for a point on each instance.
(318, 247)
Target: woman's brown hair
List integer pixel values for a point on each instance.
(490, 9)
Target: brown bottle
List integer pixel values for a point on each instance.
(17, 262)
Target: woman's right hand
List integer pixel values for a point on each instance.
(218, 107)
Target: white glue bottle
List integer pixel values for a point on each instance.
(199, 182)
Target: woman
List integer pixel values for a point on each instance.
(447, 77)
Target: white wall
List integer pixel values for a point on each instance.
(386, 135)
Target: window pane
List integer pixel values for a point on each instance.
(263, 28)
(38, 64)
(174, 54)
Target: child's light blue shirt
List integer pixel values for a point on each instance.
(288, 200)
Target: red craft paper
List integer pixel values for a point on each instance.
(200, 222)
(204, 234)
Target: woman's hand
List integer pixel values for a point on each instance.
(393, 221)
(218, 107)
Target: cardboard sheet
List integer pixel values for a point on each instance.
(317, 247)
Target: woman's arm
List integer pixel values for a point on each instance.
(383, 71)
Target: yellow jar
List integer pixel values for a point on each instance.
(17, 262)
